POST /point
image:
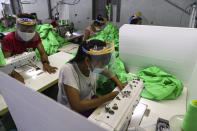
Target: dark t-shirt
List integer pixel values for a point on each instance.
(15, 46)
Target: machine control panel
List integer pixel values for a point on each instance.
(115, 114)
(18, 61)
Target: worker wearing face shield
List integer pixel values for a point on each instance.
(25, 38)
(77, 79)
(136, 19)
(96, 27)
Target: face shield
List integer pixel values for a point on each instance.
(25, 29)
(101, 58)
(100, 25)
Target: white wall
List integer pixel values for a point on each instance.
(81, 14)
(40, 7)
(156, 12)
(63, 9)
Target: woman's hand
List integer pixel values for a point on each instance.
(121, 85)
(48, 68)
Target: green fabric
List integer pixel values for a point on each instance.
(159, 85)
(108, 11)
(50, 39)
(190, 119)
(105, 85)
(2, 59)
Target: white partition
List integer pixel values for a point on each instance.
(33, 111)
(173, 49)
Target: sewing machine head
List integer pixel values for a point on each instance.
(26, 58)
(65, 30)
(9, 22)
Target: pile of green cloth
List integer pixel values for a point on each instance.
(105, 85)
(2, 59)
(51, 40)
(159, 85)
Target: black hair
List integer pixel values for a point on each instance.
(135, 21)
(98, 20)
(34, 14)
(81, 55)
(1, 36)
(25, 15)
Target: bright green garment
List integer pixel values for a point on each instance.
(50, 39)
(159, 85)
(2, 59)
(104, 84)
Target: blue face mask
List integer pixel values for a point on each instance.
(98, 70)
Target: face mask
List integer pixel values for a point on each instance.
(25, 36)
(98, 70)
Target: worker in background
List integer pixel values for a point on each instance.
(77, 79)
(93, 29)
(25, 38)
(136, 19)
(38, 22)
(56, 21)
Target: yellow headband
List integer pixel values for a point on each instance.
(25, 21)
(109, 49)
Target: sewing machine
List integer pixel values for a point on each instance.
(8, 22)
(116, 115)
(25, 62)
(65, 30)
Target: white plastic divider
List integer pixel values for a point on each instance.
(172, 49)
(33, 111)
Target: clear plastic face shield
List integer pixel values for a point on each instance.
(101, 25)
(25, 29)
(101, 58)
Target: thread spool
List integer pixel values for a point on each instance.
(190, 119)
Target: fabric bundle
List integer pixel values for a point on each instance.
(159, 85)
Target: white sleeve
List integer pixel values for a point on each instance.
(67, 77)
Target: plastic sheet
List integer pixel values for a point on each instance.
(159, 85)
(50, 39)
